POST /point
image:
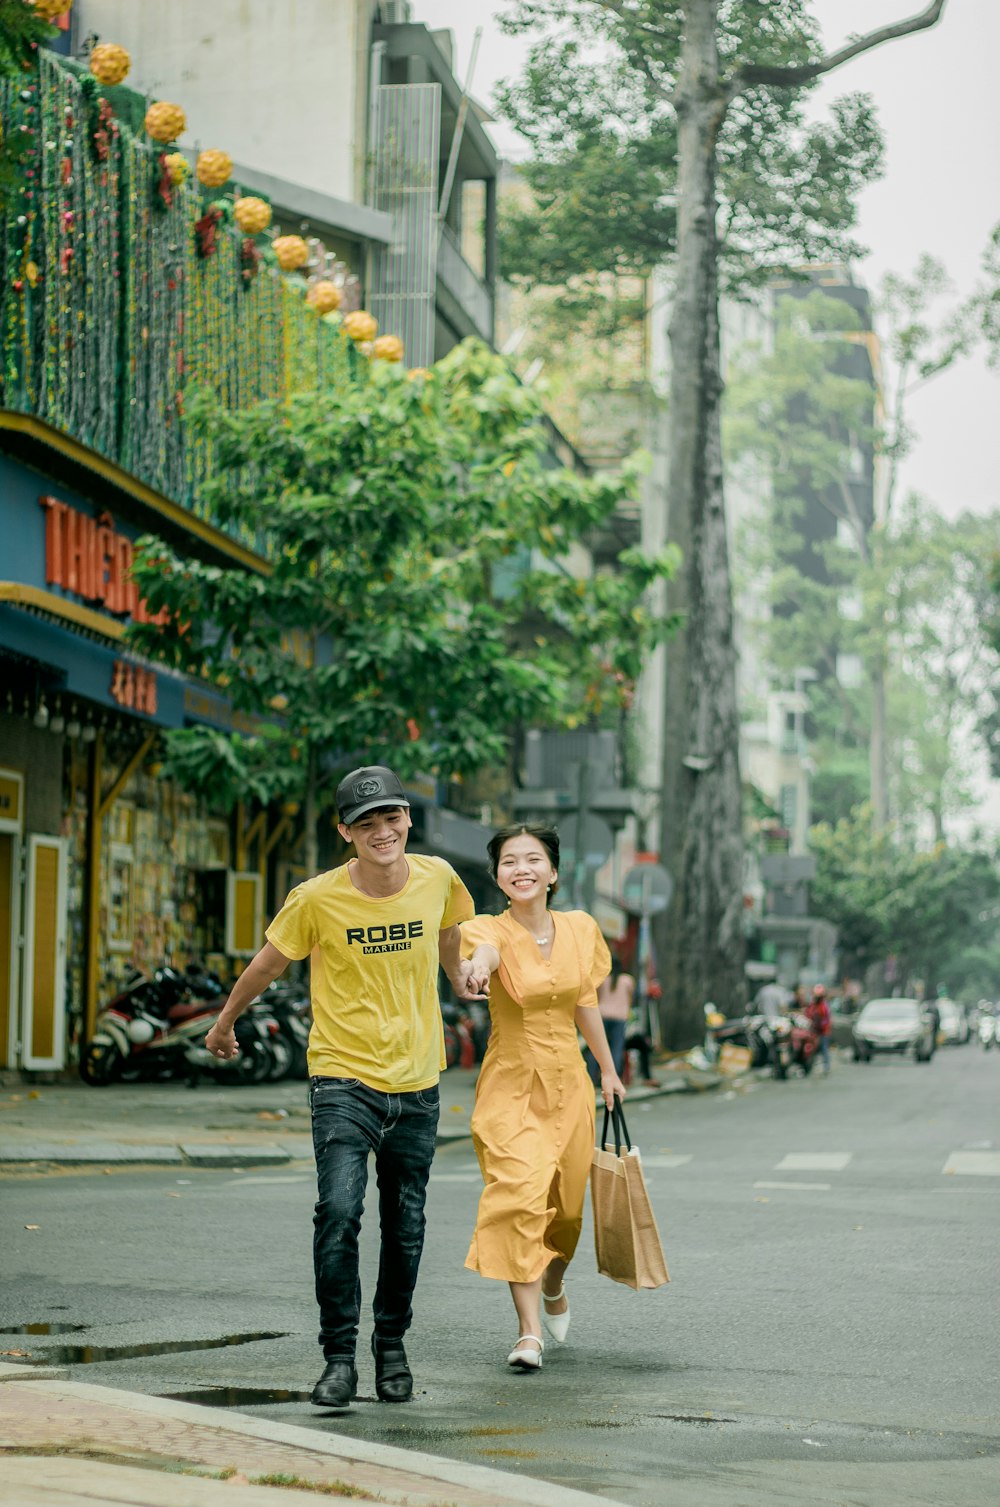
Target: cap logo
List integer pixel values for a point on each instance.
(367, 787)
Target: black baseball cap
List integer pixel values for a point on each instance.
(365, 789)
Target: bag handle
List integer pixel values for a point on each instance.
(617, 1118)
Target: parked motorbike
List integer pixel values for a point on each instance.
(156, 1027)
(291, 1009)
(796, 1042)
(751, 1031)
(459, 1042)
(987, 1031)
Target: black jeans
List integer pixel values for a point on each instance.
(350, 1120)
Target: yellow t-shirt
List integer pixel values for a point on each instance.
(375, 1006)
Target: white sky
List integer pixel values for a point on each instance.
(940, 113)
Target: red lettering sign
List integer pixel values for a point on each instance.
(133, 687)
(88, 557)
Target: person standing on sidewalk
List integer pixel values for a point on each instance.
(533, 1124)
(376, 928)
(614, 997)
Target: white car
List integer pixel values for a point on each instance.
(894, 1025)
(954, 1023)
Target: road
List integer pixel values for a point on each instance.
(830, 1334)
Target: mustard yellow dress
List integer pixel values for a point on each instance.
(533, 1123)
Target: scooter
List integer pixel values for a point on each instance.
(796, 1042)
(753, 1032)
(155, 1028)
(987, 1031)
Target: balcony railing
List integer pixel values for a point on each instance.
(464, 284)
(110, 310)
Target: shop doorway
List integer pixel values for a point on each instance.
(33, 926)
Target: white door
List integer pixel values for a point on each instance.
(43, 976)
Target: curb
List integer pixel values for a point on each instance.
(436, 1468)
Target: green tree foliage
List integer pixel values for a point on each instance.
(597, 103)
(889, 898)
(413, 531)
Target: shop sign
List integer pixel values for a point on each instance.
(133, 687)
(90, 559)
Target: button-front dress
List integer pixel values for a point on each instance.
(533, 1123)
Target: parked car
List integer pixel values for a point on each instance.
(894, 1025)
(954, 1023)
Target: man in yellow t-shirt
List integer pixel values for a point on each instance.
(377, 930)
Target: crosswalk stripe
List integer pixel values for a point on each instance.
(813, 1161)
(973, 1164)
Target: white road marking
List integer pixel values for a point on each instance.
(799, 1187)
(973, 1164)
(665, 1160)
(813, 1161)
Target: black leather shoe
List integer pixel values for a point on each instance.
(393, 1378)
(337, 1386)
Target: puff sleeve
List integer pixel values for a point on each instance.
(595, 959)
(479, 931)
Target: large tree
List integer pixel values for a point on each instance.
(416, 604)
(701, 102)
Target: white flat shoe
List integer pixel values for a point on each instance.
(523, 1357)
(557, 1324)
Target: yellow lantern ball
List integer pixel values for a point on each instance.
(324, 297)
(177, 166)
(388, 348)
(291, 251)
(360, 326)
(214, 168)
(50, 9)
(165, 122)
(109, 63)
(252, 215)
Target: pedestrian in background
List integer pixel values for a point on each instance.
(614, 998)
(819, 1014)
(380, 925)
(533, 1123)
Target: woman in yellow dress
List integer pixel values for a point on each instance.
(533, 1124)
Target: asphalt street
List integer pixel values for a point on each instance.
(830, 1334)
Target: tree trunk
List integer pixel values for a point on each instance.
(311, 815)
(877, 757)
(700, 939)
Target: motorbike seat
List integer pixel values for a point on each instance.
(186, 1010)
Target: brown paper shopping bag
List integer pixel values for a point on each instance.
(625, 1234)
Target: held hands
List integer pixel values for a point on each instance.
(611, 1085)
(221, 1041)
(472, 981)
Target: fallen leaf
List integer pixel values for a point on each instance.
(174, 1195)
(457, 1109)
(267, 1114)
(106, 1171)
(34, 1094)
(32, 1227)
(15, 1352)
(238, 1480)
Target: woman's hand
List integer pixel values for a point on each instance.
(611, 1085)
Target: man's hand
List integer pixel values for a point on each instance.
(470, 981)
(221, 1041)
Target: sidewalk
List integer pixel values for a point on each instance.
(68, 1444)
(67, 1124)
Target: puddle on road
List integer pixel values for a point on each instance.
(42, 1329)
(87, 1355)
(236, 1397)
(698, 1418)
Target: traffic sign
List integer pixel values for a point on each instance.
(647, 889)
